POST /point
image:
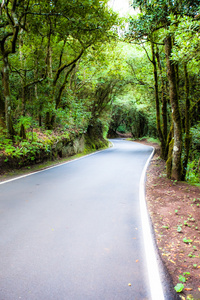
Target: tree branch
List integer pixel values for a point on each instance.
(66, 66)
(147, 54)
(63, 85)
(61, 54)
(194, 104)
(34, 82)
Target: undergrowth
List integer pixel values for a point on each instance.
(29, 148)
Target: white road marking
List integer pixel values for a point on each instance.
(152, 264)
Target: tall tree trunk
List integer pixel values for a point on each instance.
(160, 133)
(176, 172)
(187, 122)
(164, 99)
(6, 89)
(2, 111)
(23, 72)
(8, 46)
(40, 106)
(164, 112)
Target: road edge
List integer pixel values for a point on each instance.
(54, 166)
(152, 262)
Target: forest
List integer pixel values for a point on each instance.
(75, 68)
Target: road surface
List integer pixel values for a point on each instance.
(74, 232)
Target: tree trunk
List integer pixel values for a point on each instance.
(160, 134)
(164, 112)
(176, 172)
(24, 95)
(169, 159)
(6, 89)
(187, 123)
(38, 100)
(2, 111)
(61, 89)
(23, 72)
(8, 46)
(164, 98)
(94, 136)
(48, 121)
(22, 133)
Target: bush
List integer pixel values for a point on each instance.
(192, 174)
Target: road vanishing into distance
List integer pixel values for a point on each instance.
(74, 231)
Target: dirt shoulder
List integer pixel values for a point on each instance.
(174, 208)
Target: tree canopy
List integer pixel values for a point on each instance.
(160, 24)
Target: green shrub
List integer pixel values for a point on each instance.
(122, 128)
(192, 174)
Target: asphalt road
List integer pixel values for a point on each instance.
(74, 232)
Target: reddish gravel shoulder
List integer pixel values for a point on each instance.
(174, 208)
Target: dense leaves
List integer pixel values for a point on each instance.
(172, 28)
(41, 44)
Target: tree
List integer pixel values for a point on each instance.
(155, 21)
(32, 26)
(10, 27)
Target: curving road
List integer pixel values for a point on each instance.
(73, 232)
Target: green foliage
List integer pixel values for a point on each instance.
(132, 95)
(52, 62)
(193, 167)
(179, 228)
(195, 131)
(193, 175)
(27, 150)
(187, 41)
(182, 278)
(179, 287)
(175, 25)
(187, 241)
(151, 139)
(129, 116)
(4, 141)
(24, 120)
